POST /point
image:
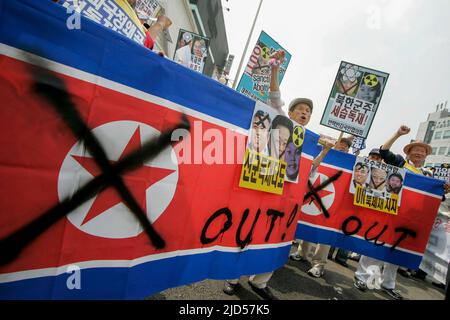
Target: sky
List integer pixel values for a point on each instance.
(409, 39)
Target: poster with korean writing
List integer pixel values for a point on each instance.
(376, 185)
(255, 81)
(442, 172)
(117, 15)
(191, 50)
(354, 99)
(273, 151)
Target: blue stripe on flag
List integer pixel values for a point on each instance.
(40, 27)
(318, 235)
(148, 278)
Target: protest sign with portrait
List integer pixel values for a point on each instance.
(191, 50)
(255, 81)
(273, 151)
(354, 99)
(377, 185)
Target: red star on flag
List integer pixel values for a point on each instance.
(137, 181)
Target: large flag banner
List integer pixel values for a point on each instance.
(329, 216)
(116, 15)
(354, 99)
(191, 50)
(196, 221)
(255, 81)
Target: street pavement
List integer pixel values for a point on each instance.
(291, 282)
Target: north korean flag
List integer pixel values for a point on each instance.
(126, 95)
(331, 218)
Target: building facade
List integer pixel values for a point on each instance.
(436, 132)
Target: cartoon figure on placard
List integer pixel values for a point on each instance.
(370, 88)
(293, 153)
(348, 80)
(260, 132)
(280, 135)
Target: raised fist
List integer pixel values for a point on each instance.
(403, 130)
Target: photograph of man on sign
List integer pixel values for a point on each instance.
(260, 132)
(280, 135)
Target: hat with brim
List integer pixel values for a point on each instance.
(297, 101)
(408, 147)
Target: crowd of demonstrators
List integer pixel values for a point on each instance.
(272, 138)
(300, 111)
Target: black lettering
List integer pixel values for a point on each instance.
(366, 235)
(291, 219)
(248, 238)
(274, 214)
(405, 232)
(347, 221)
(227, 212)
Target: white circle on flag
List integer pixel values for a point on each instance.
(327, 195)
(117, 222)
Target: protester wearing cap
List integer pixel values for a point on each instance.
(300, 111)
(375, 155)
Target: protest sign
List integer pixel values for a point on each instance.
(188, 191)
(358, 144)
(114, 14)
(442, 172)
(191, 50)
(354, 99)
(255, 81)
(377, 185)
(273, 151)
(329, 216)
(148, 12)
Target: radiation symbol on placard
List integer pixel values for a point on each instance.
(298, 136)
(371, 80)
(265, 53)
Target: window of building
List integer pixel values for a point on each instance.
(434, 150)
(438, 135)
(446, 134)
(448, 152)
(442, 151)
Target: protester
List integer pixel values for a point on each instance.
(367, 265)
(300, 111)
(321, 252)
(153, 32)
(416, 152)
